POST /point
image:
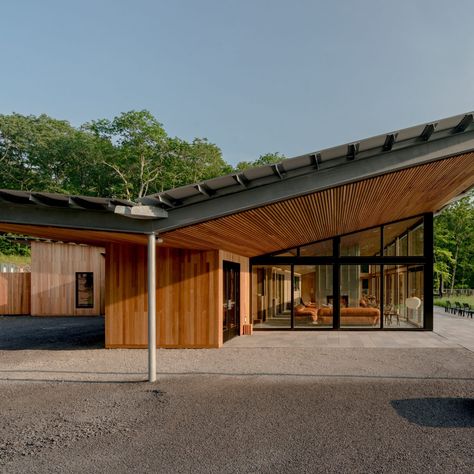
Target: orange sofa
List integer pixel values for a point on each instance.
(351, 316)
(306, 313)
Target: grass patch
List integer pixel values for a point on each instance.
(15, 259)
(460, 299)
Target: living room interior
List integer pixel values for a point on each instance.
(294, 289)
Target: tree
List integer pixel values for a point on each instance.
(194, 162)
(136, 147)
(146, 160)
(262, 160)
(45, 154)
(454, 244)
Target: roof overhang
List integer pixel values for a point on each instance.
(181, 211)
(333, 210)
(316, 171)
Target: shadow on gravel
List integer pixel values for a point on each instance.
(437, 412)
(57, 333)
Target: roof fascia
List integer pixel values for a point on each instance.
(343, 172)
(72, 219)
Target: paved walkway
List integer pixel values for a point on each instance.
(449, 332)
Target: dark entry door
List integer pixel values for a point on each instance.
(231, 320)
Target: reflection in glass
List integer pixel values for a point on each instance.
(365, 243)
(287, 253)
(415, 241)
(312, 293)
(403, 297)
(404, 238)
(360, 296)
(271, 302)
(319, 249)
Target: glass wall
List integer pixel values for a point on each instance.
(312, 296)
(360, 296)
(403, 296)
(361, 244)
(271, 302)
(319, 249)
(294, 288)
(404, 238)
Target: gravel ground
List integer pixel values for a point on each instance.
(236, 409)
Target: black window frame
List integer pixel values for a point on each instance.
(425, 260)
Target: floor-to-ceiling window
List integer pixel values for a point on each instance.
(369, 279)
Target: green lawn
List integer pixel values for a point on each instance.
(15, 259)
(460, 299)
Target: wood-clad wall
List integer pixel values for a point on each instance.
(15, 291)
(187, 297)
(53, 278)
(245, 317)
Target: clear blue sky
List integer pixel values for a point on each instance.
(253, 76)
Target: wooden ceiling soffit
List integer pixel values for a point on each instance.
(331, 212)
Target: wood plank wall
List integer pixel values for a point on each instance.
(15, 291)
(53, 278)
(245, 317)
(187, 298)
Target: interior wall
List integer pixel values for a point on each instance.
(53, 278)
(187, 297)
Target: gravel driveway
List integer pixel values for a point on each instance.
(238, 409)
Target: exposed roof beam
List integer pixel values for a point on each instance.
(49, 200)
(205, 189)
(352, 151)
(17, 197)
(278, 170)
(389, 141)
(464, 123)
(316, 160)
(241, 179)
(88, 203)
(167, 201)
(428, 131)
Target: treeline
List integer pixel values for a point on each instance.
(132, 155)
(454, 245)
(127, 157)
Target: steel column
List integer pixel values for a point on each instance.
(151, 267)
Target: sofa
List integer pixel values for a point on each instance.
(351, 316)
(306, 313)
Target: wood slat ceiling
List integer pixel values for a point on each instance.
(331, 212)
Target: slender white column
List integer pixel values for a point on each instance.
(151, 308)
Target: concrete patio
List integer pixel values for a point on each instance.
(450, 331)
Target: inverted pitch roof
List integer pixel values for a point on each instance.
(315, 171)
(318, 160)
(250, 189)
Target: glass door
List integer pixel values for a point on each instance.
(231, 299)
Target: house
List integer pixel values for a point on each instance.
(337, 239)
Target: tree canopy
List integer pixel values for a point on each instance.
(454, 245)
(128, 156)
(131, 155)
